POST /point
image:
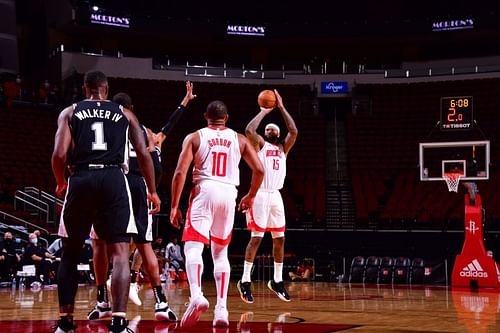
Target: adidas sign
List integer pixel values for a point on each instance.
(473, 269)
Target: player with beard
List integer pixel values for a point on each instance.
(268, 213)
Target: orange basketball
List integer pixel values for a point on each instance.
(267, 99)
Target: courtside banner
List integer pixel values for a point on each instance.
(334, 87)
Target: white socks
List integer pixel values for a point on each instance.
(278, 271)
(221, 272)
(247, 271)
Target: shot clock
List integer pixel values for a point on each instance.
(456, 113)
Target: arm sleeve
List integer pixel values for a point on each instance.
(172, 120)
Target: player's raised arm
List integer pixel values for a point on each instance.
(251, 130)
(290, 124)
(176, 115)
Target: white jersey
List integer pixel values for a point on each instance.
(274, 161)
(218, 156)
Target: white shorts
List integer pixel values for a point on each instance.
(210, 214)
(267, 214)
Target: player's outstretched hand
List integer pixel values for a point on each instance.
(189, 91)
(279, 99)
(154, 203)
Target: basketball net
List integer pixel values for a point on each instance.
(452, 179)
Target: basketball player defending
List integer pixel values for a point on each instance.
(92, 138)
(216, 151)
(142, 240)
(268, 213)
(155, 142)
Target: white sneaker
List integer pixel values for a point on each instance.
(164, 313)
(221, 317)
(133, 294)
(101, 310)
(197, 306)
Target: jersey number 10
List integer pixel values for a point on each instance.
(219, 164)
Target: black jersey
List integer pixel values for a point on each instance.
(155, 156)
(133, 164)
(100, 133)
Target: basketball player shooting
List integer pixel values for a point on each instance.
(268, 213)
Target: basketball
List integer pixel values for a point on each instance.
(267, 99)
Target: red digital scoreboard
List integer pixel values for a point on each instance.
(456, 113)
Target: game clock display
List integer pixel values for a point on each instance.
(456, 113)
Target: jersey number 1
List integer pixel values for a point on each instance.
(219, 162)
(98, 144)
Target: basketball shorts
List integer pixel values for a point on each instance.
(267, 214)
(143, 220)
(99, 198)
(210, 214)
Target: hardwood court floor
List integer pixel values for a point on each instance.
(316, 307)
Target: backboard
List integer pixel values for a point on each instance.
(469, 158)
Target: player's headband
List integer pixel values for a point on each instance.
(274, 126)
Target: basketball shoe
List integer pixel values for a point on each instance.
(101, 310)
(133, 294)
(65, 325)
(164, 313)
(279, 290)
(245, 289)
(119, 325)
(221, 317)
(197, 306)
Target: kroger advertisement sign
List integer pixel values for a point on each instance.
(334, 87)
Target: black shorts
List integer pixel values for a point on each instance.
(100, 197)
(143, 220)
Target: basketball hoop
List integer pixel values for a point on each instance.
(452, 179)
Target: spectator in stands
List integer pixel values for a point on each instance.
(159, 250)
(173, 254)
(303, 272)
(38, 234)
(158, 247)
(9, 259)
(35, 254)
